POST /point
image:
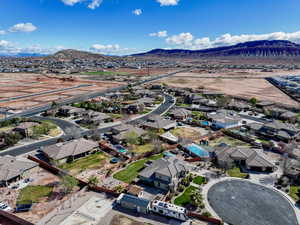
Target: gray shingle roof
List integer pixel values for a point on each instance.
(71, 148)
(167, 166)
(11, 167)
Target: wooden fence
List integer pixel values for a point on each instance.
(12, 219)
(204, 218)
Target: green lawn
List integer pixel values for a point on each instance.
(33, 194)
(88, 162)
(228, 140)
(143, 148)
(236, 172)
(115, 115)
(199, 180)
(128, 174)
(293, 192)
(185, 197)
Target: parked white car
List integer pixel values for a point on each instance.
(5, 207)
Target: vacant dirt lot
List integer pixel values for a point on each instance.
(20, 85)
(254, 86)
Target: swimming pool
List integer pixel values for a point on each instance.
(197, 150)
(120, 148)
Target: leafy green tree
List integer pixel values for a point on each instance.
(93, 181)
(132, 138)
(68, 183)
(253, 101)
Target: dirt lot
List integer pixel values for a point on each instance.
(145, 71)
(242, 87)
(20, 84)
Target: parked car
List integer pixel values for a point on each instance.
(5, 207)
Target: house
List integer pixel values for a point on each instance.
(13, 169)
(164, 173)
(180, 114)
(224, 119)
(227, 157)
(71, 150)
(289, 116)
(292, 169)
(146, 101)
(68, 110)
(145, 93)
(263, 104)
(195, 99)
(131, 202)
(282, 131)
(92, 117)
(120, 133)
(134, 108)
(157, 123)
(274, 112)
(25, 128)
(238, 105)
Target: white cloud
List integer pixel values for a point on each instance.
(2, 32)
(92, 4)
(162, 33)
(95, 4)
(110, 49)
(187, 40)
(71, 2)
(168, 2)
(10, 48)
(23, 27)
(182, 39)
(137, 12)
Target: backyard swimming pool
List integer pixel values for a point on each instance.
(120, 148)
(197, 150)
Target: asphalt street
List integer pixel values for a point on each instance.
(245, 203)
(34, 111)
(70, 127)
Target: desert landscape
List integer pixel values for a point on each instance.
(21, 91)
(239, 83)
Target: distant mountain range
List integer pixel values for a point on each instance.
(254, 49)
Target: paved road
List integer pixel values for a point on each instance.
(44, 93)
(65, 125)
(245, 203)
(34, 111)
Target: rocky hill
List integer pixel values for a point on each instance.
(70, 54)
(256, 49)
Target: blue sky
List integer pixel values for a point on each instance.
(129, 26)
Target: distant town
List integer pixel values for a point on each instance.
(93, 139)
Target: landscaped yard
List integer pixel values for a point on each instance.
(293, 192)
(236, 172)
(92, 161)
(33, 194)
(143, 148)
(128, 174)
(187, 133)
(199, 180)
(185, 197)
(229, 141)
